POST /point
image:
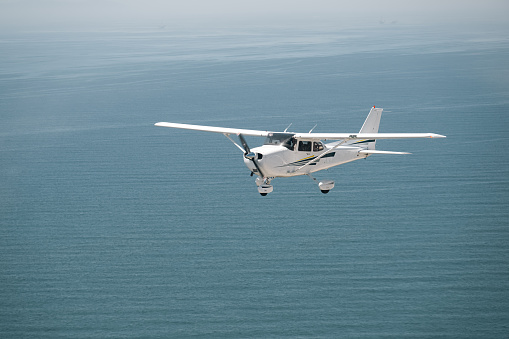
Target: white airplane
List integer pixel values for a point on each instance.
(288, 154)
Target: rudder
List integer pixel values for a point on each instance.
(371, 125)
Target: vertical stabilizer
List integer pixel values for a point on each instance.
(371, 125)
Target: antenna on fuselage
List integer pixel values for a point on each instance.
(311, 130)
(286, 129)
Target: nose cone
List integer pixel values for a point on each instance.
(250, 165)
(250, 155)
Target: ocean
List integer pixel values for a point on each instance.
(111, 227)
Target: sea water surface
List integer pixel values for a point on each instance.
(113, 228)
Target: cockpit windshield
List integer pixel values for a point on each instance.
(285, 139)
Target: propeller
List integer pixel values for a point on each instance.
(250, 155)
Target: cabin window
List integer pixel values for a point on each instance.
(317, 146)
(305, 146)
(285, 139)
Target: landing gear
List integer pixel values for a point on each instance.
(264, 186)
(325, 185)
(265, 189)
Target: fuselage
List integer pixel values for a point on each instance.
(288, 160)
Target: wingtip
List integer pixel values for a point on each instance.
(437, 136)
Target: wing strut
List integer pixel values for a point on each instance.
(228, 136)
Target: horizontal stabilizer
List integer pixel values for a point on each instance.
(373, 151)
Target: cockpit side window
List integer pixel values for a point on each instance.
(317, 146)
(290, 144)
(305, 146)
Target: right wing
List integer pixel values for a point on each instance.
(353, 136)
(223, 130)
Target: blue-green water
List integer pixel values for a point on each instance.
(113, 228)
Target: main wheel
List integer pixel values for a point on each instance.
(325, 191)
(263, 194)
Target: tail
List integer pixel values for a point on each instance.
(371, 126)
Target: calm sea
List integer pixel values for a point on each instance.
(113, 228)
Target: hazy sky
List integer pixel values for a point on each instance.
(32, 13)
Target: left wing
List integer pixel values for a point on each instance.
(223, 130)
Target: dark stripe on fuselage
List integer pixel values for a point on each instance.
(363, 142)
(306, 160)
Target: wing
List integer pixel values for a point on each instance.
(352, 136)
(313, 136)
(223, 130)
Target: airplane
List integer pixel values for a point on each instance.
(288, 154)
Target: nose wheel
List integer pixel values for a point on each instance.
(265, 189)
(264, 186)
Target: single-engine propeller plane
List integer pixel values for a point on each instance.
(288, 154)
